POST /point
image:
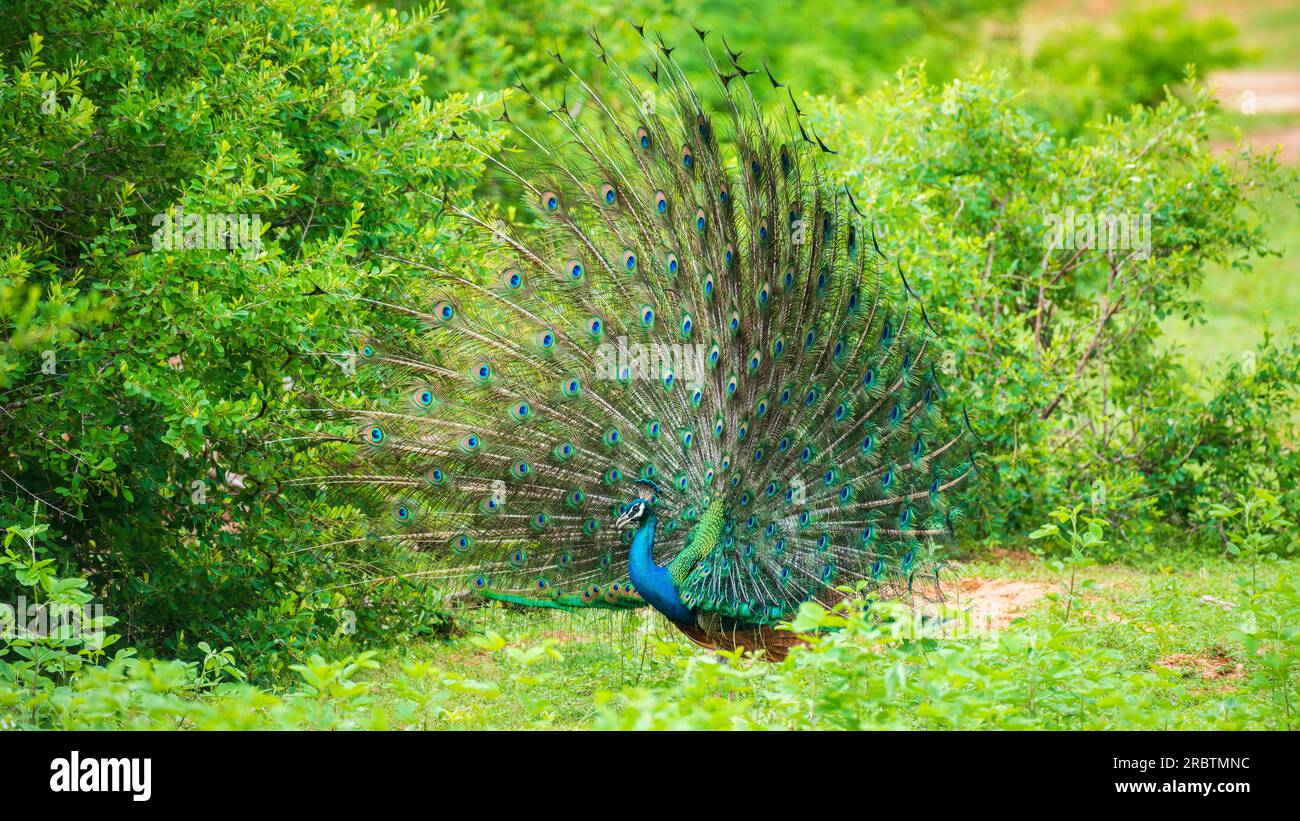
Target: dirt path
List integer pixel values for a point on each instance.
(994, 603)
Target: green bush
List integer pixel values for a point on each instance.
(143, 377)
(1055, 346)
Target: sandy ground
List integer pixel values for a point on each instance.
(994, 603)
(1211, 666)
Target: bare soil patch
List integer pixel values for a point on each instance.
(996, 602)
(1212, 665)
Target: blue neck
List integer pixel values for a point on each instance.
(655, 583)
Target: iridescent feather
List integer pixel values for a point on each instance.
(695, 307)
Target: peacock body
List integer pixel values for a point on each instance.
(692, 382)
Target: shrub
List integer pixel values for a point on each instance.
(1054, 331)
(142, 376)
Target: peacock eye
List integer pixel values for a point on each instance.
(545, 340)
(724, 194)
(661, 202)
(700, 221)
(647, 315)
(551, 201)
(512, 279)
(595, 326)
(629, 260)
(670, 265)
(755, 167)
(444, 311)
(643, 138)
(423, 397)
(374, 435)
(574, 269)
(608, 194)
(688, 157)
(482, 372)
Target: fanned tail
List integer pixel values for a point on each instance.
(694, 305)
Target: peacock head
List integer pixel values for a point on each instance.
(640, 507)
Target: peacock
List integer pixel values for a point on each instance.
(690, 379)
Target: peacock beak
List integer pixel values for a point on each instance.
(626, 519)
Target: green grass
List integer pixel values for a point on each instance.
(604, 653)
(1148, 622)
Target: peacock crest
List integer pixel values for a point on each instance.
(697, 323)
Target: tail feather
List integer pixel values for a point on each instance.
(692, 303)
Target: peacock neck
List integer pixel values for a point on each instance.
(654, 583)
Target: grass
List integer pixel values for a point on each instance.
(1176, 622)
